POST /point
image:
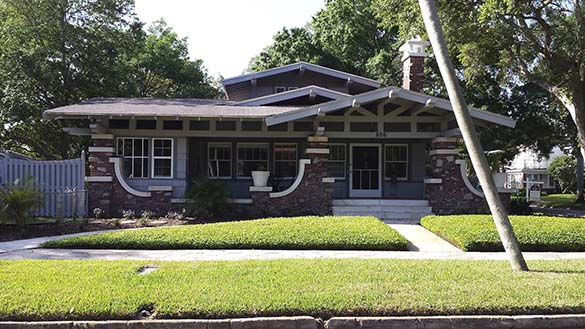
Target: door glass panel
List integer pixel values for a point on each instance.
(365, 167)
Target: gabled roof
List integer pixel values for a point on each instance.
(295, 93)
(384, 93)
(153, 107)
(302, 66)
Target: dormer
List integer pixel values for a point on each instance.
(286, 80)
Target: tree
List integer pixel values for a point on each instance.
(59, 52)
(563, 169)
(165, 69)
(345, 35)
(465, 123)
(363, 37)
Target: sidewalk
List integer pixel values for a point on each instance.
(245, 254)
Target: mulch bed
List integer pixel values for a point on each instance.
(69, 226)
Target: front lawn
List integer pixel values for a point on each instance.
(564, 201)
(534, 233)
(52, 290)
(329, 232)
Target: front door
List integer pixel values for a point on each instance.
(365, 174)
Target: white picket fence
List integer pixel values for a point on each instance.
(61, 182)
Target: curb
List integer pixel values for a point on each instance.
(568, 321)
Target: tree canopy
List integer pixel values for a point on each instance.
(363, 37)
(56, 53)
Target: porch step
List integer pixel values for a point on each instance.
(379, 202)
(383, 209)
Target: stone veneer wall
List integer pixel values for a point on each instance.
(311, 197)
(452, 196)
(111, 196)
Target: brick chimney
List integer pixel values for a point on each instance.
(413, 69)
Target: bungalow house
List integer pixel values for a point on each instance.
(333, 142)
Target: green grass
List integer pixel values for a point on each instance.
(564, 201)
(534, 233)
(272, 233)
(53, 290)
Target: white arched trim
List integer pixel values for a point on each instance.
(463, 167)
(296, 183)
(118, 169)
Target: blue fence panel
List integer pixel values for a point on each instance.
(61, 182)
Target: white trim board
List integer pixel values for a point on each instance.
(302, 66)
(385, 93)
(120, 177)
(295, 93)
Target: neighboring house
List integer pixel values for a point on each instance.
(327, 137)
(528, 166)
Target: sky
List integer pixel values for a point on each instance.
(226, 34)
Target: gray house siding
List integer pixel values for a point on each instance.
(266, 86)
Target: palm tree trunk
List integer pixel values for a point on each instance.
(478, 158)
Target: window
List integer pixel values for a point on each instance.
(397, 126)
(219, 160)
(303, 126)
(225, 125)
(146, 124)
(285, 160)
(279, 90)
(119, 124)
(162, 158)
(363, 126)
(134, 153)
(396, 162)
(293, 88)
(428, 127)
(251, 125)
(333, 125)
(252, 156)
(198, 125)
(172, 125)
(279, 127)
(336, 163)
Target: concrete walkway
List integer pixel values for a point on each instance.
(421, 239)
(244, 254)
(34, 243)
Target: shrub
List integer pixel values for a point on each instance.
(206, 198)
(18, 199)
(175, 215)
(563, 169)
(98, 213)
(128, 213)
(519, 206)
(534, 233)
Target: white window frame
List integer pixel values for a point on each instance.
(238, 157)
(296, 145)
(339, 161)
(215, 144)
(133, 157)
(277, 88)
(160, 157)
(406, 161)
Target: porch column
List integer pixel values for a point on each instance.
(448, 190)
(99, 181)
(310, 194)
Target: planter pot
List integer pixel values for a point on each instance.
(260, 178)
